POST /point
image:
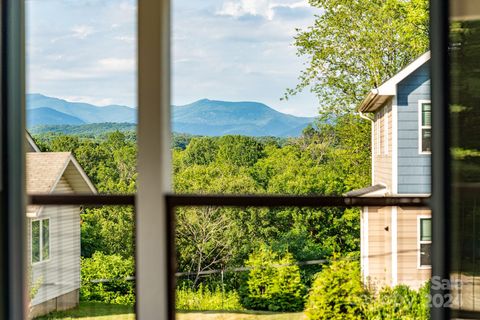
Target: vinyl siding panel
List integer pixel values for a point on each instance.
(408, 248)
(414, 169)
(61, 273)
(379, 247)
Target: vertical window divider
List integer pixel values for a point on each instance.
(440, 205)
(153, 256)
(12, 187)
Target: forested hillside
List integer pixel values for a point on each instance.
(331, 161)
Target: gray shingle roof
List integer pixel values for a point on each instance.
(364, 191)
(44, 170)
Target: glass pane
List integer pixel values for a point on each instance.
(46, 239)
(231, 136)
(88, 263)
(425, 258)
(81, 96)
(425, 230)
(426, 140)
(426, 114)
(81, 122)
(236, 259)
(36, 241)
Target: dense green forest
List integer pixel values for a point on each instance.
(330, 160)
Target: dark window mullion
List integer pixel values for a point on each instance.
(233, 200)
(12, 133)
(441, 240)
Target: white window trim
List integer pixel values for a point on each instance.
(378, 129)
(364, 245)
(420, 127)
(394, 149)
(41, 241)
(419, 242)
(394, 244)
(385, 128)
(154, 169)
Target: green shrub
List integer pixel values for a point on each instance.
(204, 299)
(118, 290)
(400, 302)
(273, 283)
(337, 293)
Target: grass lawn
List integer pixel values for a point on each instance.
(101, 311)
(96, 311)
(246, 315)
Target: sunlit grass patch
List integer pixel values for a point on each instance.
(94, 310)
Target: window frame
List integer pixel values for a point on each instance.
(421, 127)
(157, 32)
(41, 241)
(420, 242)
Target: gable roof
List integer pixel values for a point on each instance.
(378, 96)
(45, 169)
(31, 145)
(375, 190)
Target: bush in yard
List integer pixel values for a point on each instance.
(118, 290)
(273, 283)
(204, 299)
(337, 293)
(400, 302)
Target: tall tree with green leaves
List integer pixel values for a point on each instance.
(356, 45)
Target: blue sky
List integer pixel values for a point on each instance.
(236, 50)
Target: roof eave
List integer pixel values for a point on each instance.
(374, 101)
(377, 97)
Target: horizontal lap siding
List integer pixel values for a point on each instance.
(61, 273)
(407, 228)
(413, 168)
(379, 247)
(383, 160)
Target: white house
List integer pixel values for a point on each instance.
(396, 241)
(54, 231)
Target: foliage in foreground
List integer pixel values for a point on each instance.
(115, 269)
(273, 283)
(337, 293)
(400, 302)
(205, 299)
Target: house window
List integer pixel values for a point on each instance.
(425, 242)
(425, 129)
(40, 240)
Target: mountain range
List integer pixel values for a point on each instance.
(203, 117)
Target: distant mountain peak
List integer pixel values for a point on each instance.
(216, 118)
(87, 113)
(203, 117)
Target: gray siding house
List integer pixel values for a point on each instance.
(395, 241)
(54, 231)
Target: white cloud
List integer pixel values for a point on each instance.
(88, 99)
(82, 31)
(127, 39)
(293, 5)
(240, 8)
(117, 64)
(264, 8)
